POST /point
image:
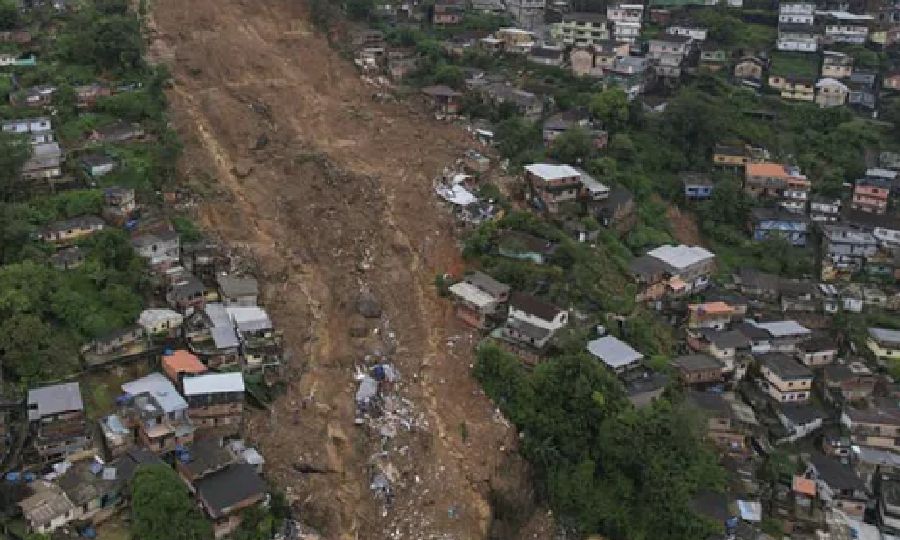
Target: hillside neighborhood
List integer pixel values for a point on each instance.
(679, 232)
(792, 365)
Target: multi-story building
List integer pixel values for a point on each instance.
(824, 209)
(831, 93)
(845, 249)
(877, 427)
(531, 324)
(158, 412)
(215, 403)
(552, 185)
(580, 29)
(784, 379)
(594, 61)
(528, 14)
(797, 37)
(844, 27)
(668, 53)
(797, 12)
(837, 65)
(58, 423)
(672, 271)
(781, 183)
(870, 194)
(626, 20)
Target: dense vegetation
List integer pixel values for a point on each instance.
(47, 314)
(162, 509)
(606, 467)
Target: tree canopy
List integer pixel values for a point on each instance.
(162, 509)
(604, 466)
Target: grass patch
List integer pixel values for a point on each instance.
(796, 64)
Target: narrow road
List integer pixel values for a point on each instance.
(331, 194)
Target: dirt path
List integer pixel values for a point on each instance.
(332, 195)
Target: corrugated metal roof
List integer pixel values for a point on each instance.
(614, 352)
(162, 390)
(54, 399)
(213, 383)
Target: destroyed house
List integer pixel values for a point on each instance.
(118, 204)
(524, 246)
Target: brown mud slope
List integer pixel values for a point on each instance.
(331, 194)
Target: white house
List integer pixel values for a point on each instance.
(532, 321)
(160, 321)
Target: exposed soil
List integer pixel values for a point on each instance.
(331, 194)
(684, 226)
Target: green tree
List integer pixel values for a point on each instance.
(162, 509)
(9, 14)
(450, 75)
(14, 152)
(359, 9)
(611, 108)
(574, 146)
(517, 137)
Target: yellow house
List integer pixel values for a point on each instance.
(793, 88)
(730, 155)
(71, 230)
(884, 343)
(786, 380)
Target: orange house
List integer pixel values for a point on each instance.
(871, 195)
(180, 363)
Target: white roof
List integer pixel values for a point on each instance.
(829, 81)
(162, 390)
(885, 335)
(846, 15)
(249, 317)
(782, 328)
(472, 294)
(457, 194)
(213, 383)
(149, 317)
(547, 171)
(613, 352)
(681, 256)
(881, 173)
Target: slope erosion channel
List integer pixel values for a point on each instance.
(329, 194)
